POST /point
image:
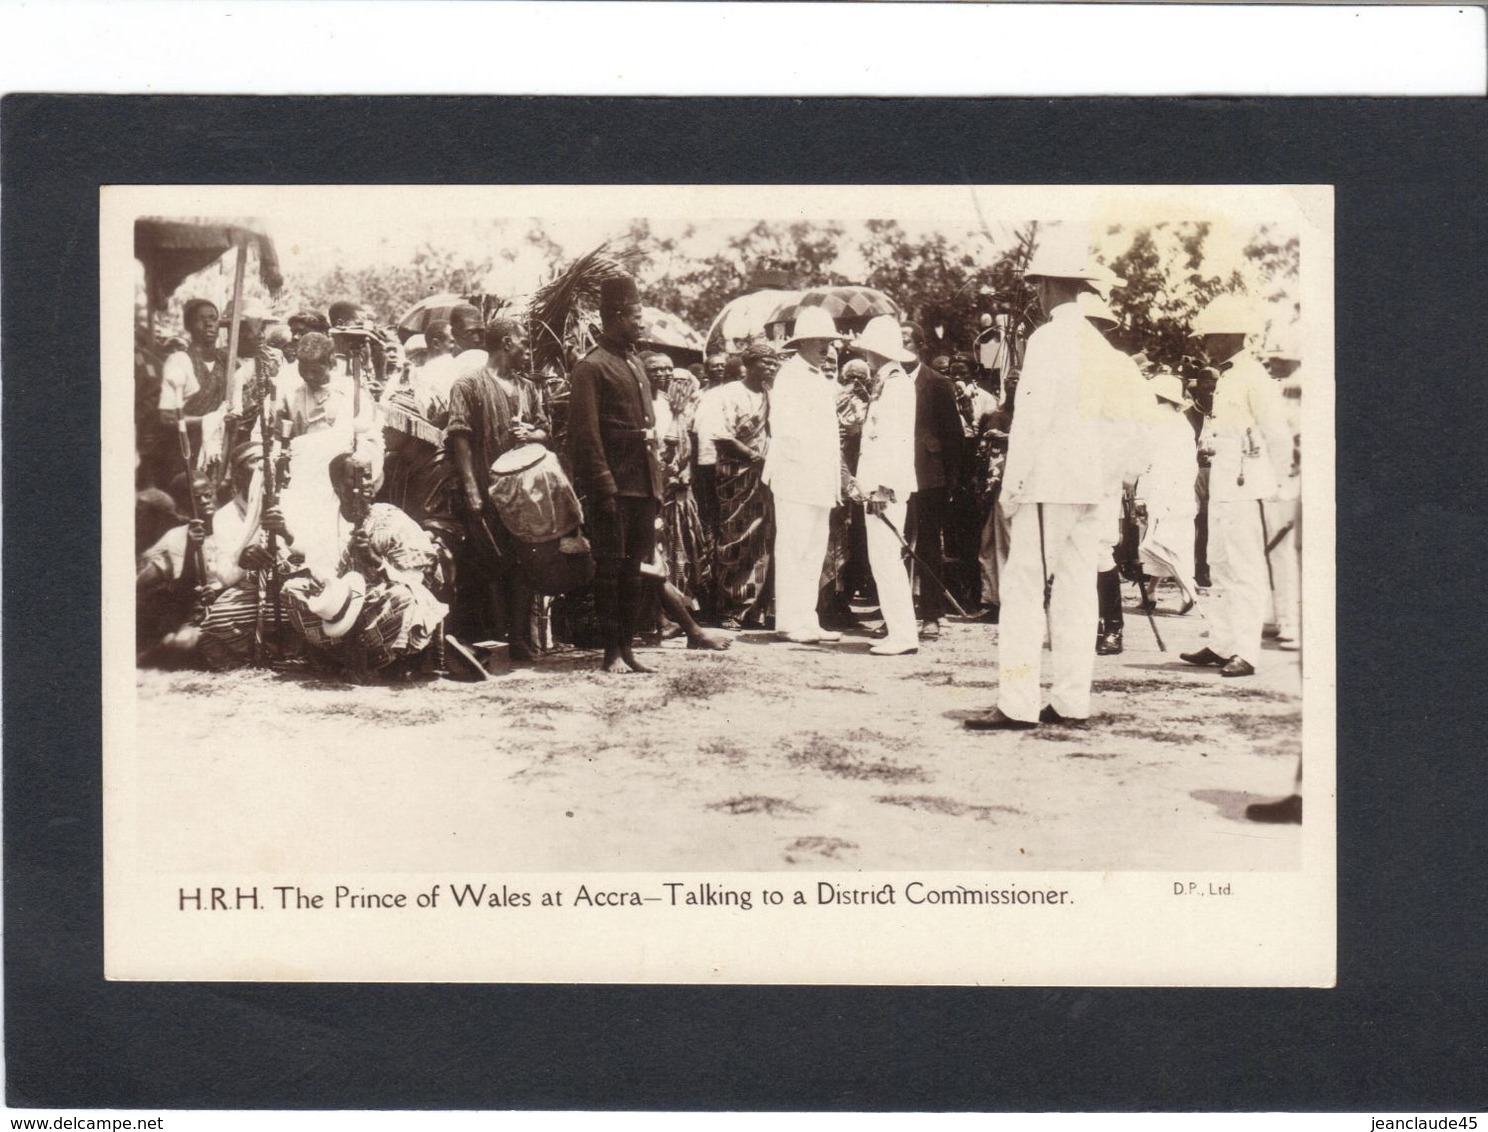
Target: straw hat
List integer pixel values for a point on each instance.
(339, 604)
(882, 337)
(813, 322)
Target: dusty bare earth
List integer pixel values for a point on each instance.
(770, 756)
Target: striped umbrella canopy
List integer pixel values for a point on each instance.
(745, 317)
(663, 331)
(670, 333)
(851, 307)
(433, 307)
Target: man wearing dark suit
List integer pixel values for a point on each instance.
(940, 446)
(617, 467)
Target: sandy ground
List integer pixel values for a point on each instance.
(769, 756)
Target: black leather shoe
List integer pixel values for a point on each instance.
(1203, 656)
(1108, 644)
(1237, 666)
(1049, 715)
(1288, 811)
(994, 720)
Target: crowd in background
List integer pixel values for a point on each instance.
(333, 497)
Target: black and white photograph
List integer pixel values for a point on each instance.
(582, 583)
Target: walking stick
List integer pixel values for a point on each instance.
(1128, 516)
(1266, 542)
(1275, 539)
(1147, 609)
(956, 605)
(198, 558)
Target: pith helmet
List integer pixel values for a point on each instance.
(882, 337)
(813, 322)
(1227, 314)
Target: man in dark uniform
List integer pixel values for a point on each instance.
(940, 443)
(616, 462)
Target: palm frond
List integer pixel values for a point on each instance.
(571, 298)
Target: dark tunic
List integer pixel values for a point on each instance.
(612, 426)
(480, 409)
(940, 439)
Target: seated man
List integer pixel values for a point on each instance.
(376, 607)
(422, 481)
(169, 567)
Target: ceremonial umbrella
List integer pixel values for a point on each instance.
(432, 308)
(851, 307)
(670, 334)
(745, 317)
(172, 250)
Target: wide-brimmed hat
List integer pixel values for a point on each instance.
(813, 322)
(339, 604)
(1096, 309)
(883, 337)
(1227, 314)
(1168, 386)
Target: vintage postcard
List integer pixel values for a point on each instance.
(720, 584)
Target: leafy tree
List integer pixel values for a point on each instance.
(387, 290)
(940, 284)
(1169, 278)
(697, 289)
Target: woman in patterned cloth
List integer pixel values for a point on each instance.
(745, 518)
(688, 550)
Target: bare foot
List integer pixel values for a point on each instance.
(613, 663)
(635, 666)
(703, 639)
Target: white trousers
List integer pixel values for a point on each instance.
(891, 578)
(1237, 561)
(801, 531)
(1285, 565)
(1073, 534)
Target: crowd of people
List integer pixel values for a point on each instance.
(339, 499)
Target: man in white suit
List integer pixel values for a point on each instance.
(886, 479)
(803, 469)
(1250, 457)
(1052, 490)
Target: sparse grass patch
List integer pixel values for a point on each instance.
(1230, 692)
(722, 749)
(829, 847)
(1254, 725)
(931, 677)
(819, 753)
(1157, 733)
(948, 806)
(758, 804)
(878, 739)
(1132, 684)
(693, 684)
